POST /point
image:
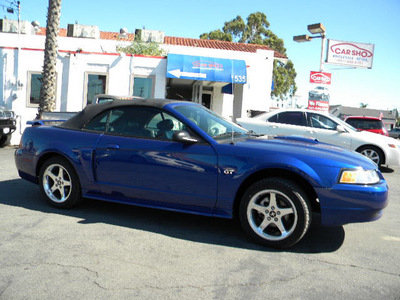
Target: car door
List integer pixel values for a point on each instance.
(133, 162)
(325, 130)
(287, 123)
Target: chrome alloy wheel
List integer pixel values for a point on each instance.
(57, 183)
(372, 155)
(272, 215)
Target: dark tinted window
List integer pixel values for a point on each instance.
(365, 123)
(129, 121)
(136, 121)
(291, 117)
(273, 119)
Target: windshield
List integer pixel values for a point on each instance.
(213, 124)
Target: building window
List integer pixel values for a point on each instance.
(34, 85)
(96, 83)
(143, 86)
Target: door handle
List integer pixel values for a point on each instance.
(112, 146)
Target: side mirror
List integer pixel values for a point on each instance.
(340, 129)
(183, 137)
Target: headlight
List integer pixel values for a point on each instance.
(359, 176)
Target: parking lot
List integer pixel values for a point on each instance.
(104, 250)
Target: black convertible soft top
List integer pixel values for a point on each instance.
(89, 112)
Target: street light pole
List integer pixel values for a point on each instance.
(319, 30)
(321, 62)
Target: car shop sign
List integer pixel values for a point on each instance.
(352, 54)
(320, 77)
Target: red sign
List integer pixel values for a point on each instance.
(318, 105)
(320, 77)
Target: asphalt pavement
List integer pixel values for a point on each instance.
(101, 250)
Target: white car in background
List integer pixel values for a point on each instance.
(319, 93)
(327, 129)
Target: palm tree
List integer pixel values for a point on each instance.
(48, 88)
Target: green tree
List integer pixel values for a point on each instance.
(256, 31)
(49, 77)
(142, 48)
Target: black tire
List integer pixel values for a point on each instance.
(275, 212)
(373, 153)
(59, 183)
(5, 140)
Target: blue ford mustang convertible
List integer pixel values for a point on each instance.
(181, 156)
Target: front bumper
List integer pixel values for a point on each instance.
(7, 126)
(344, 203)
(393, 155)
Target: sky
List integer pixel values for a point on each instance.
(363, 21)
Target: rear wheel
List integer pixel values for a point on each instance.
(275, 212)
(59, 183)
(373, 153)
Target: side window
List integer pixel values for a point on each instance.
(125, 121)
(273, 119)
(96, 83)
(98, 123)
(292, 118)
(34, 85)
(138, 122)
(320, 121)
(164, 125)
(143, 86)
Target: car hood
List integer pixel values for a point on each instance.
(307, 150)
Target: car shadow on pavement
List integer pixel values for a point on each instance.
(386, 170)
(225, 232)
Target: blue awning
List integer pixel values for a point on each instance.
(206, 68)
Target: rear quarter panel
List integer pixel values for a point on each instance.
(41, 142)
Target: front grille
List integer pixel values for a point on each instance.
(9, 122)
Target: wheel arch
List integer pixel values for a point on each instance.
(281, 173)
(46, 157)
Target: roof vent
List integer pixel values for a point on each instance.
(83, 31)
(123, 33)
(146, 35)
(11, 26)
(36, 26)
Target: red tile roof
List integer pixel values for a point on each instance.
(188, 42)
(213, 44)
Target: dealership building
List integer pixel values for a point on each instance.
(229, 78)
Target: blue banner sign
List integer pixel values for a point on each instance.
(206, 68)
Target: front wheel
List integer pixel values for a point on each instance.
(5, 140)
(59, 183)
(373, 153)
(275, 212)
